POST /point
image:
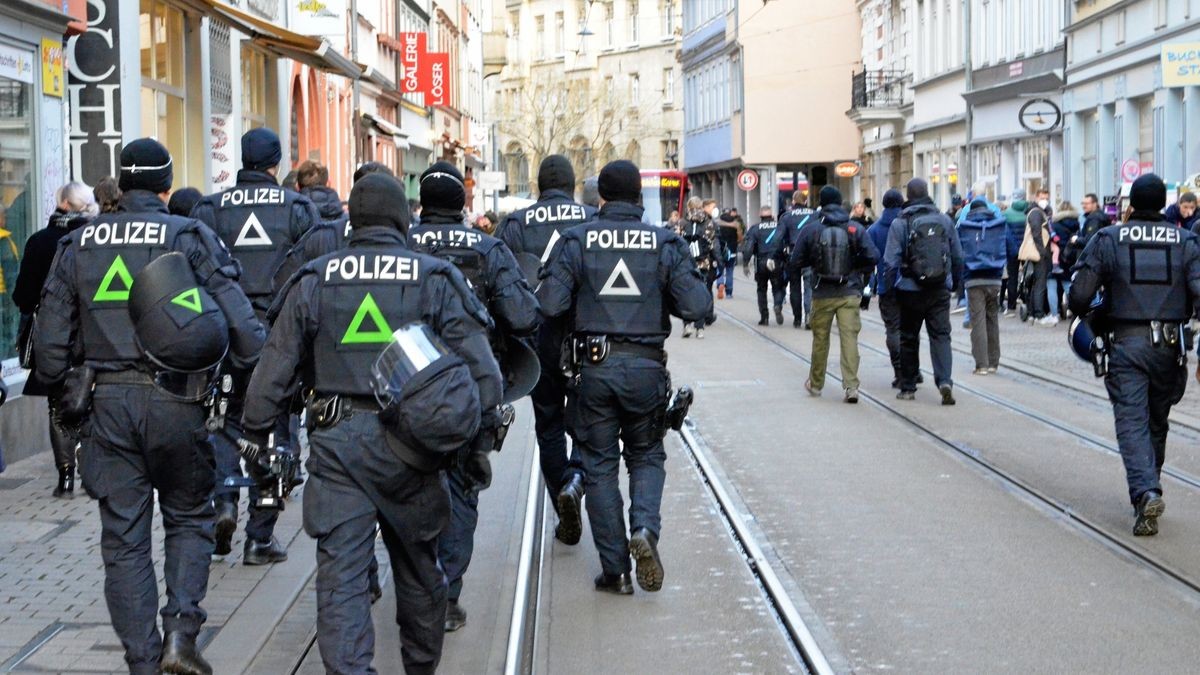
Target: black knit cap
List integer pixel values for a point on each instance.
(892, 199)
(183, 200)
(261, 149)
(442, 188)
(917, 188)
(378, 200)
(1148, 193)
(620, 181)
(829, 196)
(556, 173)
(145, 165)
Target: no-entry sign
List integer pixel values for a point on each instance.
(747, 179)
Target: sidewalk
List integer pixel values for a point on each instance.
(53, 617)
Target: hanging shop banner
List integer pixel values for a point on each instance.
(52, 68)
(318, 17)
(94, 94)
(412, 58)
(16, 64)
(437, 85)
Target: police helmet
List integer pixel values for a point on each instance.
(178, 327)
(429, 401)
(1083, 340)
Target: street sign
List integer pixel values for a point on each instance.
(490, 180)
(1130, 170)
(747, 179)
(846, 169)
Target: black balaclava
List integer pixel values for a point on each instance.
(378, 200)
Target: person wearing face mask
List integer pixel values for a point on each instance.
(1035, 251)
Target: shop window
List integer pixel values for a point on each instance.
(254, 89)
(17, 201)
(1145, 137)
(163, 83)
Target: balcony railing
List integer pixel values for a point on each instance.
(878, 89)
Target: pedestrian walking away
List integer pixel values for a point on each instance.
(884, 280)
(841, 255)
(923, 246)
(376, 457)
(700, 233)
(498, 282)
(260, 222)
(762, 243)
(144, 434)
(534, 232)
(1148, 271)
(983, 235)
(799, 284)
(1014, 217)
(622, 300)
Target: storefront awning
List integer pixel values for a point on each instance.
(377, 78)
(312, 51)
(399, 137)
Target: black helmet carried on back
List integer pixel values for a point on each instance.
(179, 328)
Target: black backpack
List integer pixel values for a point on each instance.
(928, 251)
(835, 254)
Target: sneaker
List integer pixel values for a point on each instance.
(1149, 507)
(992, 371)
(1010, 313)
(807, 325)
(456, 616)
(959, 310)
(699, 333)
(687, 330)
(809, 388)
(980, 371)
(851, 395)
(1048, 320)
(947, 392)
(778, 316)
(906, 395)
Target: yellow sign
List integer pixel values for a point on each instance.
(52, 67)
(670, 182)
(1181, 64)
(846, 169)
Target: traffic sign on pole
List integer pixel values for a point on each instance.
(747, 179)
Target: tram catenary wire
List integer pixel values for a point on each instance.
(1032, 494)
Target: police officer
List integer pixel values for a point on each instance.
(500, 284)
(337, 314)
(762, 243)
(799, 285)
(138, 438)
(534, 231)
(623, 279)
(260, 222)
(1149, 272)
(699, 232)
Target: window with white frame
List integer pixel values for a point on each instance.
(1145, 112)
(1090, 150)
(635, 89)
(608, 24)
(632, 18)
(668, 18)
(540, 25)
(1160, 14)
(560, 29)
(668, 86)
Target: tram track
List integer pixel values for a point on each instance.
(1024, 488)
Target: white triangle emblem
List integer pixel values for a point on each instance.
(550, 247)
(252, 233)
(621, 270)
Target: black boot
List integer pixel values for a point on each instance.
(764, 320)
(226, 525)
(570, 524)
(263, 552)
(66, 482)
(643, 546)
(181, 656)
(617, 584)
(1149, 507)
(779, 315)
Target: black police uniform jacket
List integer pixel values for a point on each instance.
(1149, 269)
(260, 222)
(487, 264)
(339, 311)
(84, 312)
(623, 278)
(763, 242)
(535, 229)
(790, 226)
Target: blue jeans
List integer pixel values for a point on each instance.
(728, 272)
(1052, 286)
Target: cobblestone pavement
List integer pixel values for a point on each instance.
(52, 612)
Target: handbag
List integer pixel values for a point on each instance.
(25, 330)
(1028, 251)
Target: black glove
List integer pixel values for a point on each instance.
(478, 470)
(252, 444)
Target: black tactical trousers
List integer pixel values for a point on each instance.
(1143, 382)
(457, 542)
(763, 276)
(355, 482)
(928, 307)
(137, 441)
(800, 293)
(550, 411)
(889, 311)
(260, 523)
(622, 401)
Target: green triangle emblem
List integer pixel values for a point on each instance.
(189, 299)
(382, 332)
(106, 293)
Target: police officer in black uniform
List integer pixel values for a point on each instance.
(534, 231)
(260, 222)
(138, 438)
(763, 242)
(501, 286)
(335, 316)
(1149, 272)
(799, 285)
(624, 279)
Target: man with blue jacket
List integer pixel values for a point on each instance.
(885, 279)
(985, 244)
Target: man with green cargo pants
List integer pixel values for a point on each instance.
(841, 256)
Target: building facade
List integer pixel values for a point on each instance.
(605, 71)
(751, 102)
(1121, 119)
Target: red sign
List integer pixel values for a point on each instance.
(1130, 170)
(437, 84)
(412, 58)
(747, 179)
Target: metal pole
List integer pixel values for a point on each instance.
(966, 167)
(357, 86)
